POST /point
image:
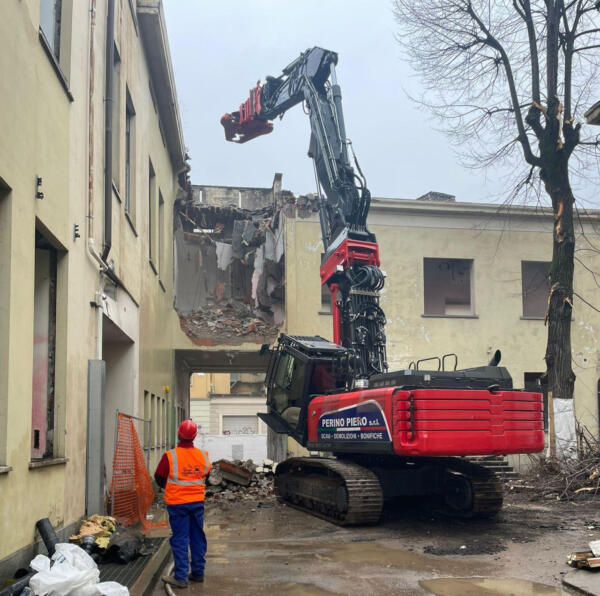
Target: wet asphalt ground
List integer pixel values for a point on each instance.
(263, 547)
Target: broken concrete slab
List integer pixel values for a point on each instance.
(236, 473)
(585, 582)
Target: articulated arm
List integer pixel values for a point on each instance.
(351, 263)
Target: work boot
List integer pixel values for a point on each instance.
(196, 578)
(169, 579)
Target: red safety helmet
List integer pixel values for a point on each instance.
(187, 430)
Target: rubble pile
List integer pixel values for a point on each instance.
(240, 480)
(101, 527)
(564, 478)
(229, 319)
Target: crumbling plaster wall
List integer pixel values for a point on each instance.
(230, 262)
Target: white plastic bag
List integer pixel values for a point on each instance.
(74, 573)
(40, 563)
(112, 589)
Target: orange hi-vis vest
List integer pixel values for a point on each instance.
(188, 469)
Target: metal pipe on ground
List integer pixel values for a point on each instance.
(168, 588)
(17, 586)
(44, 527)
(50, 539)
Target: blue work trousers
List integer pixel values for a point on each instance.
(187, 525)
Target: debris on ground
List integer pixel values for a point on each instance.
(583, 560)
(240, 480)
(232, 276)
(564, 478)
(106, 540)
(99, 526)
(229, 320)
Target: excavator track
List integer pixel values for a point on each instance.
(338, 491)
(472, 490)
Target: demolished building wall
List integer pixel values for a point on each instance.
(230, 262)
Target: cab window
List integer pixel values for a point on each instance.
(287, 396)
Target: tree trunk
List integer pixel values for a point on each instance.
(561, 379)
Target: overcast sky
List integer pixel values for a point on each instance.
(221, 48)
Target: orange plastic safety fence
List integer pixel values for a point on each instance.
(131, 489)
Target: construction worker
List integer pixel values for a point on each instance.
(182, 472)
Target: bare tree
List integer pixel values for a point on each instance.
(507, 79)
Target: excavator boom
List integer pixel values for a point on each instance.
(393, 433)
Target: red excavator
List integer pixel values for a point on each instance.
(390, 434)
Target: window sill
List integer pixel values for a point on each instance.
(116, 191)
(130, 222)
(532, 318)
(162, 286)
(325, 312)
(153, 266)
(450, 316)
(55, 65)
(5, 469)
(45, 463)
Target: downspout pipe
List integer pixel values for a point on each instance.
(108, 132)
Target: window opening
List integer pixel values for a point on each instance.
(129, 156)
(50, 23)
(116, 121)
(151, 214)
(44, 349)
(448, 286)
(161, 231)
(535, 288)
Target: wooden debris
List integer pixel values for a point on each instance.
(583, 560)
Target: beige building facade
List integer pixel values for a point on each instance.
(86, 291)
(462, 278)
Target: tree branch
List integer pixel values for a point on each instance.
(527, 17)
(493, 43)
(584, 48)
(586, 302)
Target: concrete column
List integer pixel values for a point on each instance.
(94, 492)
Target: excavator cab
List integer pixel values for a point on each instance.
(300, 369)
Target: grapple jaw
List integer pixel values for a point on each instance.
(246, 124)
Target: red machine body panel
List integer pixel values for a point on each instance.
(349, 252)
(429, 422)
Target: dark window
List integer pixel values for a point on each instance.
(151, 213)
(116, 122)
(129, 157)
(447, 286)
(287, 391)
(536, 288)
(161, 231)
(147, 416)
(325, 299)
(50, 20)
(535, 381)
(5, 276)
(44, 349)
